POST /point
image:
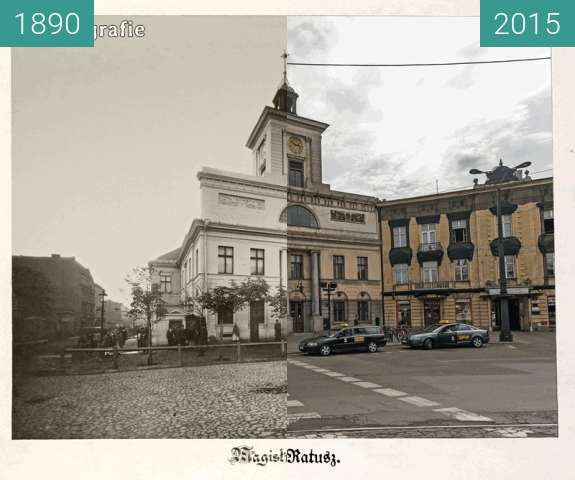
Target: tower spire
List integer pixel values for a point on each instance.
(286, 97)
(285, 56)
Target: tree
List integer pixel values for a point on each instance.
(31, 297)
(278, 304)
(147, 301)
(222, 300)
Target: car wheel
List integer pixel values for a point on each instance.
(477, 342)
(428, 344)
(325, 350)
(372, 347)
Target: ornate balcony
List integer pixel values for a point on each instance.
(430, 252)
(438, 285)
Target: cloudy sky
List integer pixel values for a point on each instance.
(394, 131)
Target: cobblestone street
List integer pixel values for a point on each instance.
(219, 401)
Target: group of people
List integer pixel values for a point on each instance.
(179, 335)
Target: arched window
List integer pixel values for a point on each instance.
(300, 217)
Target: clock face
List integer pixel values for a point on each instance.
(295, 145)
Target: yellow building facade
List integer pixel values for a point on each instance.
(440, 256)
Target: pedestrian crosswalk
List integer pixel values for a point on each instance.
(453, 413)
(298, 415)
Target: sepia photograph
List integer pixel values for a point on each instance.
(278, 227)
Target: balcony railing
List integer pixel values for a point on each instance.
(430, 247)
(432, 285)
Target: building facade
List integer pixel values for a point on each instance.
(333, 236)
(71, 296)
(440, 256)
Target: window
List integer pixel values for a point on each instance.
(261, 158)
(548, 222)
(401, 273)
(363, 310)
(197, 262)
(165, 283)
(428, 233)
(399, 237)
(429, 271)
(509, 266)
(362, 268)
(404, 313)
(550, 264)
(506, 224)
(296, 267)
(225, 260)
(257, 261)
(295, 177)
(338, 267)
(257, 311)
(459, 231)
(300, 217)
(226, 317)
(189, 268)
(463, 311)
(461, 270)
(339, 310)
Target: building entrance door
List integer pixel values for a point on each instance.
(296, 312)
(431, 311)
(514, 316)
(257, 312)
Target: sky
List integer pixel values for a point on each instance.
(107, 142)
(395, 131)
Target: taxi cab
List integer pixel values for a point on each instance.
(365, 338)
(448, 335)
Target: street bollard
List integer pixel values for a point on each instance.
(180, 357)
(284, 349)
(239, 352)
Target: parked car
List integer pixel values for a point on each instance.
(367, 337)
(450, 335)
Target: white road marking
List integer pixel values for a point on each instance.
(419, 401)
(462, 415)
(390, 392)
(511, 432)
(334, 374)
(367, 385)
(294, 417)
(294, 403)
(349, 379)
(511, 347)
(320, 370)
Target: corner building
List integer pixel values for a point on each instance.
(440, 256)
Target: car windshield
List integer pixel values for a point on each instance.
(432, 328)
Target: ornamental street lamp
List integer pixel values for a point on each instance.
(103, 294)
(328, 287)
(499, 175)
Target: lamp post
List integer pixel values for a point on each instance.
(501, 174)
(328, 287)
(103, 295)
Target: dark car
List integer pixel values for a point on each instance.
(452, 334)
(368, 338)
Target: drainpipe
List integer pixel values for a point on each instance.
(381, 256)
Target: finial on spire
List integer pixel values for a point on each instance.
(500, 162)
(285, 56)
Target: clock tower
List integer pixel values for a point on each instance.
(287, 147)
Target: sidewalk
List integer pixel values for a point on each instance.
(518, 338)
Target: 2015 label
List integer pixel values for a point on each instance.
(519, 23)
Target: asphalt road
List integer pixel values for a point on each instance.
(499, 390)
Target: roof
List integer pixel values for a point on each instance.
(171, 256)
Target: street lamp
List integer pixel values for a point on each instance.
(103, 294)
(328, 287)
(501, 174)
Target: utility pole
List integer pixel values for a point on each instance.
(328, 287)
(505, 333)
